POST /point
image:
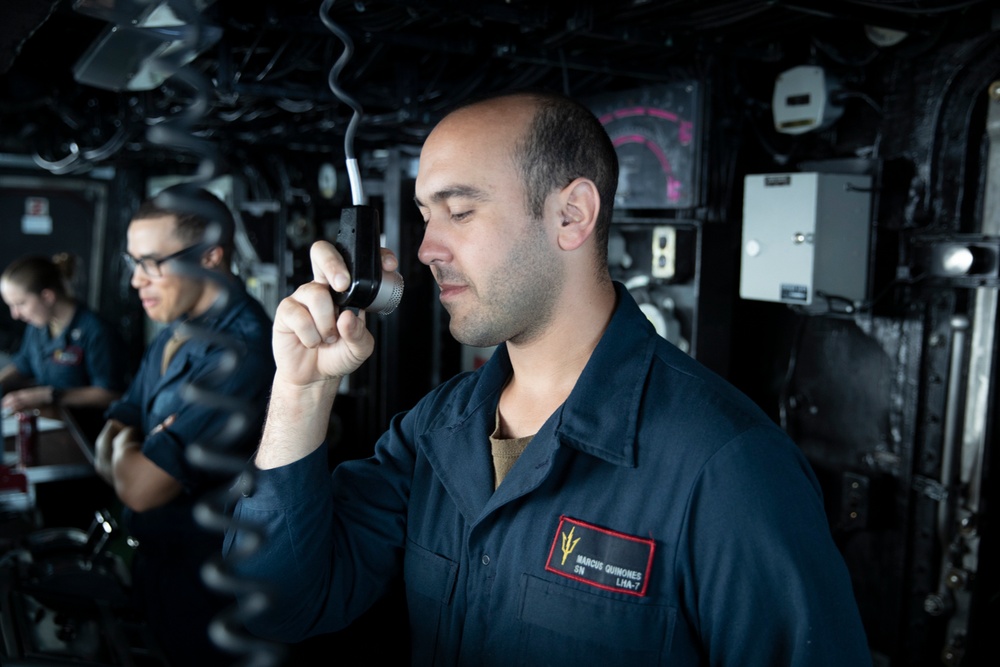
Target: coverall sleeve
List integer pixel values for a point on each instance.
(772, 589)
(331, 543)
(22, 358)
(239, 393)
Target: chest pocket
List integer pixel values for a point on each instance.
(566, 626)
(61, 367)
(430, 585)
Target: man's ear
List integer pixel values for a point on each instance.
(212, 259)
(580, 204)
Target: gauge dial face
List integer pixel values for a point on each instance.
(655, 134)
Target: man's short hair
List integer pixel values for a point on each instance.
(202, 218)
(564, 141)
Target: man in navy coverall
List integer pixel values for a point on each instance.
(179, 250)
(590, 496)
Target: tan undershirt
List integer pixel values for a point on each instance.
(505, 452)
(170, 349)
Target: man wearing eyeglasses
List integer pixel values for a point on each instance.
(217, 339)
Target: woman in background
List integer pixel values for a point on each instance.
(69, 354)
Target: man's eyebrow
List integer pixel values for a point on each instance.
(463, 191)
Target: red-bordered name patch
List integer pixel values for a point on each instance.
(600, 557)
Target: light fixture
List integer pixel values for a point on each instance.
(146, 43)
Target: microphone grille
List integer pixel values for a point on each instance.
(390, 293)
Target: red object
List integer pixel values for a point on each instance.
(27, 439)
(11, 480)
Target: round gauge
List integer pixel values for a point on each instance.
(655, 136)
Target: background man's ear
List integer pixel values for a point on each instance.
(213, 258)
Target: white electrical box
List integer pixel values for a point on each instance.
(803, 100)
(806, 238)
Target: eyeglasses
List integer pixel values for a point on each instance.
(151, 266)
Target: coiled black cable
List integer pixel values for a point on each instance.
(179, 133)
(227, 629)
(333, 80)
(216, 455)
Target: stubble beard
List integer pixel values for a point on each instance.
(517, 302)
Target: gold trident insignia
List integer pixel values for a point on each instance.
(568, 544)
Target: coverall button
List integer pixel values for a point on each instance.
(245, 485)
(486, 559)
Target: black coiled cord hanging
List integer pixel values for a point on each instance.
(179, 133)
(353, 172)
(215, 456)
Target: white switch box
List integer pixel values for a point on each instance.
(664, 252)
(806, 238)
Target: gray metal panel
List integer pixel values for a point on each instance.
(805, 235)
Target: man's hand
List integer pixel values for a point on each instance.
(314, 341)
(127, 438)
(164, 424)
(105, 449)
(140, 483)
(315, 344)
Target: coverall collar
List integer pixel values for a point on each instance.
(599, 418)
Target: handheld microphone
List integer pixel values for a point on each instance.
(372, 288)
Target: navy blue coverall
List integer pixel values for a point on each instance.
(172, 545)
(657, 518)
(87, 353)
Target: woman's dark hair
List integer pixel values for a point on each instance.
(35, 273)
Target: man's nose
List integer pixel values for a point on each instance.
(432, 248)
(139, 277)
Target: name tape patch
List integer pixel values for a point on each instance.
(600, 557)
(70, 356)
